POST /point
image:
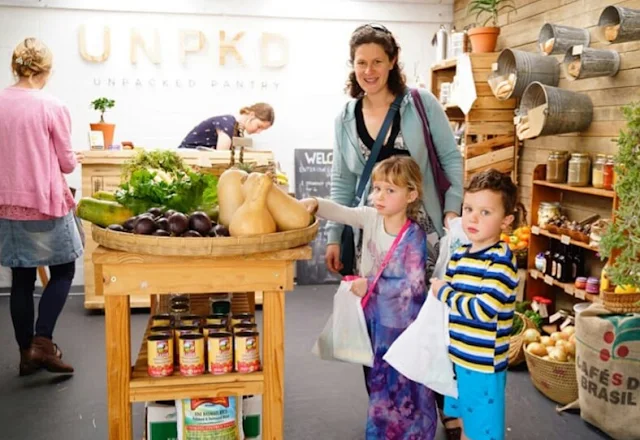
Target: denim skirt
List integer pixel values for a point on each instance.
(32, 243)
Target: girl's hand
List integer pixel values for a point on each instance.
(332, 258)
(359, 287)
(310, 204)
(436, 285)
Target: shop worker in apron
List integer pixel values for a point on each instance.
(217, 132)
(377, 85)
(37, 222)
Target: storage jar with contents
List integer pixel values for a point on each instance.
(579, 170)
(597, 174)
(608, 173)
(557, 167)
(546, 212)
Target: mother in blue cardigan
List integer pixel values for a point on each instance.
(374, 83)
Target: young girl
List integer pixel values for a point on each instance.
(398, 408)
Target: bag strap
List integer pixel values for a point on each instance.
(377, 146)
(434, 161)
(385, 262)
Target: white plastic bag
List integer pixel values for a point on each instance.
(421, 352)
(345, 336)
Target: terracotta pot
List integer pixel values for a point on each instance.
(107, 131)
(483, 39)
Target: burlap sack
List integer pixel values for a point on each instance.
(608, 371)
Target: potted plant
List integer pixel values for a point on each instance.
(484, 38)
(102, 105)
(620, 242)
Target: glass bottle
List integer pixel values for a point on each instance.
(597, 173)
(607, 175)
(579, 170)
(557, 167)
(554, 261)
(577, 263)
(561, 265)
(547, 261)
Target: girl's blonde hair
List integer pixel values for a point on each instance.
(31, 57)
(262, 110)
(404, 172)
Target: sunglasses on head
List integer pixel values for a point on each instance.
(374, 26)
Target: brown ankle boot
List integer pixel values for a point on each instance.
(27, 364)
(45, 352)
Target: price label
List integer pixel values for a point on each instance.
(534, 274)
(565, 239)
(565, 323)
(494, 67)
(548, 279)
(555, 317)
(577, 50)
(535, 306)
(570, 289)
(580, 294)
(535, 230)
(204, 161)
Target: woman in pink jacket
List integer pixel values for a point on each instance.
(37, 222)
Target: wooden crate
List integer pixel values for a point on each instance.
(490, 140)
(102, 170)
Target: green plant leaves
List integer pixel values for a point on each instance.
(490, 7)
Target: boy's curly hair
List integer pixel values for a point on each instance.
(496, 181)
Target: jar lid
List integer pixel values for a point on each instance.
(603, 156)
(581, 279)
(579, 155)
(550, 204)
(593, 280)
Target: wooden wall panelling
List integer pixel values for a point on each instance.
(520, 29)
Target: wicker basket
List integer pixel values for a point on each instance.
(621, 302)
(556, 380)
(211, 247)
(516, 344)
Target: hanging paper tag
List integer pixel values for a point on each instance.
(548, 279)
(535, 230)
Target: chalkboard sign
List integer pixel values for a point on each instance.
(313, 179)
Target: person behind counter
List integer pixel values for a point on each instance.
(37, 223)
(217, 132)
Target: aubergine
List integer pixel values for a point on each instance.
(178, 223)
(221, 231)
(169, 212)
(130, 223)
(145, 226)
(192, 234)
(161, 233)
(200, 222)
(116, 227)
(156, 212)
(163, 224)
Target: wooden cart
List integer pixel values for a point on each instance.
(120, 275)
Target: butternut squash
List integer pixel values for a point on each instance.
(230, 196)
(253, 217)
(288, 213)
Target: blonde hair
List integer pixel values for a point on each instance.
(404, 172)
(262, 110)
(31, 57)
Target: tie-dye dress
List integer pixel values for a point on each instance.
(399, 409)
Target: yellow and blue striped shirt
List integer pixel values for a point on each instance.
(480, 291)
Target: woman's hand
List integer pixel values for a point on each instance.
(359, 287)
(311, 204)
(448, 217)
(332, 258)
(79, 155)
(436, 285)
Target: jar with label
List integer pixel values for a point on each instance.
(608, 173)
(579, 169)
(597, 173)
(546, 212)
(557, 167)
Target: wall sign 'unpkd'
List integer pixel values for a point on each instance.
(273, 48)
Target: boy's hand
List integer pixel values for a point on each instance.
(311, 204)
(436, 285)
(359, 287)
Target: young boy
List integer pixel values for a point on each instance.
(479, 287)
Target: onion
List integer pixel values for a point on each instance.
(547, 341)
(531, 335)
(572, 339)
(558, 354)
(569, 330)
(570, 348)
(546, 358)
(537, 349)
(557, 336)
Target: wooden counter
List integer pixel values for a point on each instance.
(101, 170)
(125, 275)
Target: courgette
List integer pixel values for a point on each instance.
(104, 195)
(102, 212)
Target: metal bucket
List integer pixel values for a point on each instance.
(628, 19)
(528, 67)
(593, 63)
(564, 36)
(567, 111)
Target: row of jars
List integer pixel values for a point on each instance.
(577, 170)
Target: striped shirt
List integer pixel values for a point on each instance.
(480, 291)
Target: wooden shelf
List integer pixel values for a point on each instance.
(540, 231)
(568, 288)
(143, 388)
(578, 189)
(445, 64)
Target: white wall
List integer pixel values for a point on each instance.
(307, 93)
